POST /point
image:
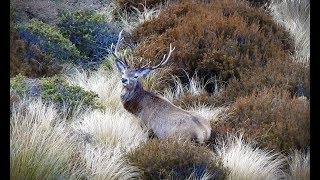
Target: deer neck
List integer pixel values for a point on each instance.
(134, 104)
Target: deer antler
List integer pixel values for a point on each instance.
(115, 52)
(164, 59)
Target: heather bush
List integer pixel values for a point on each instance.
(49, 40)
(90, 32)
(175, 160)
(272, 118)
(37, 66)
(283, 74)
(57, 90)
(220, 38)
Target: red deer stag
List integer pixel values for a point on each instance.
(157, 113)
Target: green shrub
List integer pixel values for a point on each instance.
(49, 40)
(220, 38)
(57, 90)
(175, 160)
(272, 118)
(37, 66)
(90, 32)
(48, 11)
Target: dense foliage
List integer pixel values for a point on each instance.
(49, 40)
(222, 38)
(29, 60)
(90, 32)
(270, 117)
(176, 160)
(56, 90)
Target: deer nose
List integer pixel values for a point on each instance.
(124, 80)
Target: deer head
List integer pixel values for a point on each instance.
(130, 76)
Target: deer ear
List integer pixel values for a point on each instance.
(120, 65)
(143, 72)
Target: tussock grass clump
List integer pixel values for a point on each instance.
(272, 118)
(129, 21)
(107, 163)
(36, 65)
(244, 161)
(210, 113)
(294, 15)
(299, 165)
(106, 84)
(111, 129)
(220, 38)
(131, 5)
(172, 159)
(191, 93)
(40, 145)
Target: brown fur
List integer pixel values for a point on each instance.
(157, 114)
(163, 118)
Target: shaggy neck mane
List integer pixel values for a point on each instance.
(134, 104)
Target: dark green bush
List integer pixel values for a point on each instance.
(271, 117)
(49, 40)
(220, 38)
(90, 32)
(38, 65)
(176, 160)
(48, 11)
(57, 90)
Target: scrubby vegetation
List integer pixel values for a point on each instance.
(222, 38)
(29, 60)
(49, 40)
(90, 32)
(57, 90)
(176, 160)
(282, 74)
(139, 4)
(272, 118)
(239, 64)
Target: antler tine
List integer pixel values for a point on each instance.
(115, 52)
(118, 42)
(164, 59)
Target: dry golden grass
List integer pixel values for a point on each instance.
(245, 161)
